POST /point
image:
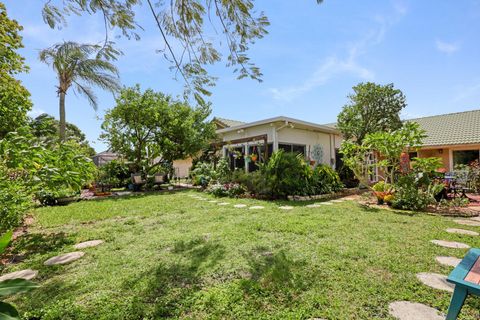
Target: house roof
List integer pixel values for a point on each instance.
(451, 129)
(226, 123)
(300, 123)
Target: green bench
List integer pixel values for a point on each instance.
(466, 277)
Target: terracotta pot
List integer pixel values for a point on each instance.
(312, 162)
(254, 157)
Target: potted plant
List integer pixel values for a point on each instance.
(254, 157)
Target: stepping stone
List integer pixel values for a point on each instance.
(315, 205)
(450, 244)
(436, 281)
(223, 204)
(448, 261)
(88, 244)
(462, 231)
(240, 206)
(64, 258)
(475, 219)
(467, 222)
(213, 201)
(406, 310)
(26, 274)
(326, 203)
(286, 207)
(337, 201)
(256, 207)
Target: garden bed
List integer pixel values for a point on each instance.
(328, 196)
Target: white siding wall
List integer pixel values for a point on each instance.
(290, 135)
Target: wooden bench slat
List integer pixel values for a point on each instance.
(474, 274)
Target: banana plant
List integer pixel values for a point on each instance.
(9, 287)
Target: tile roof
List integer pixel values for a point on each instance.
(228, 122)
(452, 128)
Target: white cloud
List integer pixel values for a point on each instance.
(447, 47)
(334, 66)
(35, 112)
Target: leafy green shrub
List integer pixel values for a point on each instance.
(382, 186)
(255, 182)
(325, 180)
(223, 172)
(203, 174)
(115, 173)
(14, 201)
(409, 195)
(286, 174)
(9, 287)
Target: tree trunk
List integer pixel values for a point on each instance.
(62, 116)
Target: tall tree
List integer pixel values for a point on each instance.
(186, 29)
(372, 108)
(14, 98)
(47, 127)
(150, 128)
(79, 65)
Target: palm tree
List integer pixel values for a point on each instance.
(82, 66)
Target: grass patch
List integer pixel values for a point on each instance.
(171, 256)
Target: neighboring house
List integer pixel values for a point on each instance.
(269, 135)
(454, 137)
(104, 157)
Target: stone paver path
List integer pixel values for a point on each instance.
(450, 244)
(27, 274)
(64, 258)
(475, 219)
(223, 204)
(462, 231)
(448, 261)
(315, 205)
(88, 244)
(286, 207)
(406, 310)
(337, 201)
(240, 206)
(436, 281)
(468, 222)
(213, 201)
(326, 203)
(256, 207)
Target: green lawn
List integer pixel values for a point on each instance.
(171, 256)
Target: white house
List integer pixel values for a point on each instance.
(269, 135)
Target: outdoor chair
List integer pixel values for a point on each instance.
(137, 181)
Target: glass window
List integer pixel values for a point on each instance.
(236, 156)
(260, 152)
(298, 149)
(295, 148)
(465, 156)
(412, 155)
(285, 147)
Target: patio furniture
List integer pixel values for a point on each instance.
(466, 277)
(137, 181)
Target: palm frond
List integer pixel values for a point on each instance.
(88, 93)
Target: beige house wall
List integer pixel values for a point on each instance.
(182, 167)
(445, 153)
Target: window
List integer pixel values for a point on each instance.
(465, 156)
(295, 148)
(237, 161)
(412, 155)
(260, 152)
(372, 160)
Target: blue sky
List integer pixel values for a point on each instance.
(310, 59)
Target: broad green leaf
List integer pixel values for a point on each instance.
(4, 240)
(13, 286)
(8, 312)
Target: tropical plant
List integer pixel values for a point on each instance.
(10, 287)
(410, 195)
(79, 65)
(149, 128)
(15, 199)
(325, 180)
(116, 173)
(46, 127)
(372, 108)
(14, 98)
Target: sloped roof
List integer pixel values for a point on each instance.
(450, 129)
(227, 123)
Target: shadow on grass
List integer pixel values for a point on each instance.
(39, 243)
(170, 287)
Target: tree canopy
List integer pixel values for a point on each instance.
(46, 127)
(192, 31)
(150, 128)
(14, 97)
(372, 108)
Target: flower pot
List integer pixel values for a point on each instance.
(312, 162)
(254, 157)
